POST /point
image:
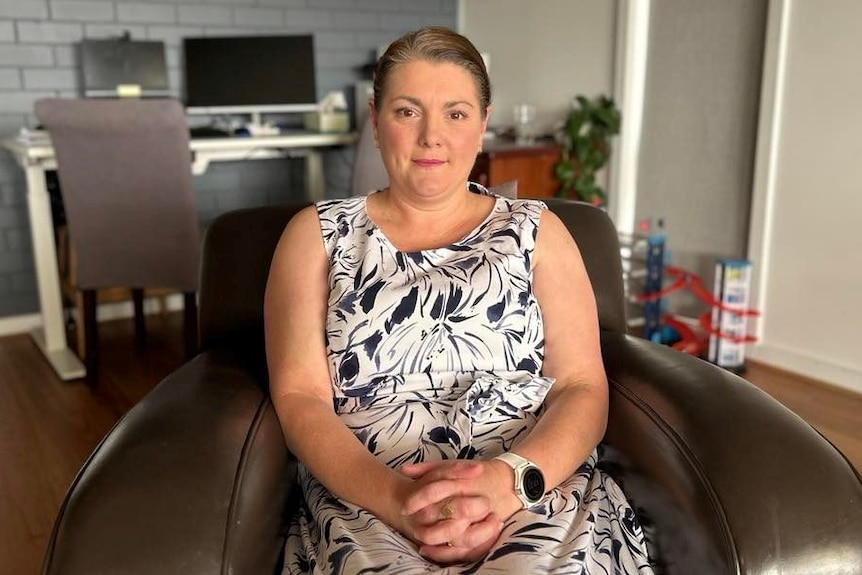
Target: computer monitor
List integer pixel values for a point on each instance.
(249, 74)
(123, 67)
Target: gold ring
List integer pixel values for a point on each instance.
(446, 510)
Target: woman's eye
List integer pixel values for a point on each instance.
(457, 115)
(405, 112)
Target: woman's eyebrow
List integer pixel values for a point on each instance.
(417, 102)
(454, 103)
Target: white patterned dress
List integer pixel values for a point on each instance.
(437, 355)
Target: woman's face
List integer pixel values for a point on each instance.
(429, 126)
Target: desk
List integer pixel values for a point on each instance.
(503, 160)
(37, 158)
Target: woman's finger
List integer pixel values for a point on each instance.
(484, 533)
(441, 532)
(472, 507)
(480, 532)
(457, 469)
(433, 493)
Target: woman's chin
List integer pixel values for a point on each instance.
(430, 184)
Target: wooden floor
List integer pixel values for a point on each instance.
(835, 412)
(48, 427)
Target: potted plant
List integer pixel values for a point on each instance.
(586, 142)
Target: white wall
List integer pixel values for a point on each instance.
(807, 231)
(699, 130)
(806, 228)
(543, 52)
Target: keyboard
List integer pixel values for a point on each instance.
(198, 132)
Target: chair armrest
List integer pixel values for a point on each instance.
(194, 479)
(727, 479)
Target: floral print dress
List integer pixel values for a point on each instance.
(437, 355)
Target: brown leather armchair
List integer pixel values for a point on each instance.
(196, 478)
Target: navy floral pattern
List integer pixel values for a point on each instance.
(437, 354)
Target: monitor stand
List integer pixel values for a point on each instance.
(262, 129)
(256, 120)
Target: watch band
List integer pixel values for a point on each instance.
(514, 460)
(529, 483)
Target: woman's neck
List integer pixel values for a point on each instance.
(415, 223)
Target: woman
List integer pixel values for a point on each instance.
(446, 327)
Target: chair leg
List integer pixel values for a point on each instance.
(190, 324)
(91, 335)
(140, 322)
(80, 334)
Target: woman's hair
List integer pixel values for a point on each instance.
(434, 44)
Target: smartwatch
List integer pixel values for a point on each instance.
(529, 481)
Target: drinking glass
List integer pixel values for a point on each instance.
(525, 115)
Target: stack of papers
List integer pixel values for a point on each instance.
(33, 136)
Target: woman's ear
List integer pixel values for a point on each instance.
(372, 117)
(485, 121)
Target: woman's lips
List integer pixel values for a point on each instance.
(428, 163)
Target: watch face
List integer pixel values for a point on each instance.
(534, 484)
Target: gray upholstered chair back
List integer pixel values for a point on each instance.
(369, 173)
(125, 176)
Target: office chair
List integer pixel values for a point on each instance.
(369, 173)
(125, 176)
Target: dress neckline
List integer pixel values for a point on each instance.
(376, 229)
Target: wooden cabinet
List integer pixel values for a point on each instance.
(503, 160)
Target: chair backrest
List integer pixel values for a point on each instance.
(239, 245)
(125, 176)
(599, 243)
(238, 249)
(369, 173)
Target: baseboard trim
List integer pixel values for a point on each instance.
(152, 305)
(844, 376)
(18, 324)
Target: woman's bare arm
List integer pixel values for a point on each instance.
(576, 407)
(295, 309)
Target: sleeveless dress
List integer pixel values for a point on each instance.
(438, 355)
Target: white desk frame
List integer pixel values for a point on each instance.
(37, 158)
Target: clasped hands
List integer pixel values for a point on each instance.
(454, 510)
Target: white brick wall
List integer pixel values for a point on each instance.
(83, 11)
(50, 79)
(147, 13)
(49, 32)
(204, 15)
(38, 59)
(22, 55)
(7, 32)
(10, 79)
(23, 8)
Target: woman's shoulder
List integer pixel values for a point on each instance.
(507, 195)
(302, 224)
(529, 208)
(336, 215)
(340, 205)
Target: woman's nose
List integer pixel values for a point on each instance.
(430, 134)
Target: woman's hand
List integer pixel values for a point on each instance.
(456, 507)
